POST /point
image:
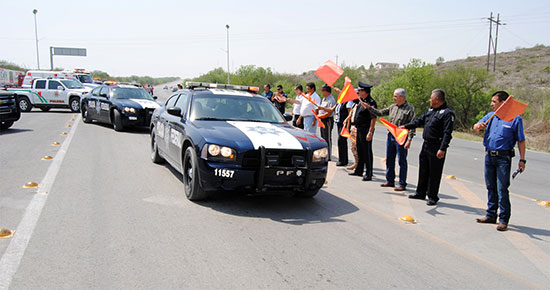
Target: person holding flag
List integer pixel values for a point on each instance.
(364, 123)
(503, 129)
(399, 113)
(326, 108)
(309, 105)
(296, 105)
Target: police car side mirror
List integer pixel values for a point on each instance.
(174, 111)
(60, 88)
(103, 95)
(288, 117)
(155, 97)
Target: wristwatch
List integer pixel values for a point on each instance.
(523, 160)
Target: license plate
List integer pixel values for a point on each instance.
(132, 118)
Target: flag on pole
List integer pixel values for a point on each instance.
(345, 133)
(348, 93)
(320, 123)
(329, 72)
(400, 135)
(310, 99)
(510, 109)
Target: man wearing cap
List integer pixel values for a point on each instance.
(499, 141)
(364, 122)
(438, 124)
(399, 113)
(325, 113)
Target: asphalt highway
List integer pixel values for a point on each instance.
(105, 217)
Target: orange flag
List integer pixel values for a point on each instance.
(510, 109)
(320, 123)
(329, 72)
(345, 133)
(399, 134)
(310, 99)
(348, 93)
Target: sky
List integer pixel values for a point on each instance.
(189, 38)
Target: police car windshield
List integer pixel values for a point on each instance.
(85, 79)
(130, 93)
(72, 84)
(234, 108)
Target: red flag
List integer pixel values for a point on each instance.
(348, 93)
(320, 123)
(329, 72)
(310, 99)
(510, 109)
(345, 133)
(400, 135)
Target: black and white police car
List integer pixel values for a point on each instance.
(119, 105)
(226, 137)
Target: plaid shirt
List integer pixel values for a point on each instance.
(398, 115)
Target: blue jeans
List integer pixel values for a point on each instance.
(308, 121)
(392, 149)
(497, 179)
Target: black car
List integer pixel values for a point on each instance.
(225, 137)
(119, 105)
(9, 110)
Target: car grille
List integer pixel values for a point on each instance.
(146, 114)
(275, 158)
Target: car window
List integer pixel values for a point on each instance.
(234, 108)
(172, 101)
(52, 85)
(183, 103)
(40, 84)
(104, 90)
(130, 93)
(95, 92)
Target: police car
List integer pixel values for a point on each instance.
(119, 105)
(226, 137)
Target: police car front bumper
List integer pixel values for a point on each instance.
(140, 119)
(264, 178)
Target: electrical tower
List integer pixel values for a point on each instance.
(493, 42)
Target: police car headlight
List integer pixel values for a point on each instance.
(129, 110)
(226, 152)
(320, 155)
(214, 150)
(218, 153)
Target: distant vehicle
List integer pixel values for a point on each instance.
(174, 89)
(119, 105)
(165, 88)
(9, 111)
(11, 78)
(50, 93)
(226, 137)
(78, 74)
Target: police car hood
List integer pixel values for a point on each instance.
(136, 103)
(246, 135)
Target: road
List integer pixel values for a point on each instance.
(106, 217)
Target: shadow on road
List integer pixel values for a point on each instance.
(58, 111)
(466, 209)
(131, 130)
(533, 233)
(323, 208)
(14, 131)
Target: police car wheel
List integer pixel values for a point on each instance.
(191, 183)
(308, 193)
(45, 109)
(24, 104)
(117, 121)
(155, 156)
(5, 125)
(74, 104)
(85, 117)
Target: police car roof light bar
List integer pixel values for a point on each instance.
(193, 85)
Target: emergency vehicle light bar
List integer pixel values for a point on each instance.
(192, 85)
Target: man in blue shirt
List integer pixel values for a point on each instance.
(499, 141)
(267, 92)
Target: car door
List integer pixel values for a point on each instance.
(177, 129)
(104, 104)
(53, 95)
(39, 89)
(93, 105)
(163, 129)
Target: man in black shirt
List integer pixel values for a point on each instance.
(364, 121)
(438, 124)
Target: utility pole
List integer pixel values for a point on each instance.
(491, 43)
(227, 26)
(336, 59)
(34, 11)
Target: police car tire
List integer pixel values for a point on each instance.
(24, 104)
(117, 121)
(155, 156)
(85, 117)
(5, 125)
(192, 187)
(308, 193)
(74, 104)
(45, 109)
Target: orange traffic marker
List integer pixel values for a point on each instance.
(30, 185)
(5, 233)
(47, 158)
(408, 219)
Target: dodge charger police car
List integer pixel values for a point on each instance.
(226, 137)
(119, 105)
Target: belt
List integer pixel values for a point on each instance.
(500, 153)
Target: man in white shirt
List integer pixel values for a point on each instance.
(296, 105)
(307, 108)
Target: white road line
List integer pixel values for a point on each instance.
(16, 249)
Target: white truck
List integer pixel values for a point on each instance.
(78, 74)
(50, 93)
